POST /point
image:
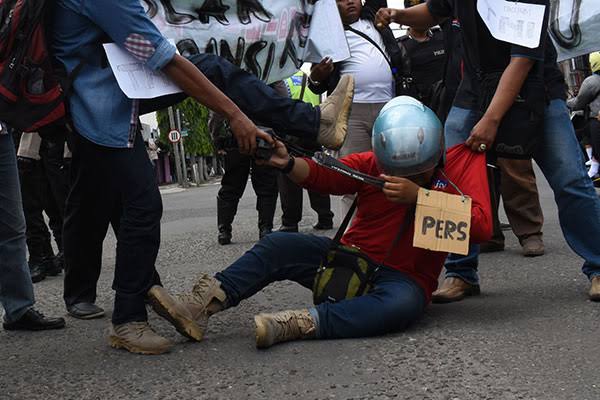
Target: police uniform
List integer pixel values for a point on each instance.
(427, 59)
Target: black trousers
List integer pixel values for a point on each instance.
(291, 203)
(264, 182)
(117, 187)
(595, 138)
(44, 188)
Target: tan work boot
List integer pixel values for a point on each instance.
(454, 289)
(335, 111)
(533, 246)
(137, 337)
(189, 312)
(595, 289)
(284, 326)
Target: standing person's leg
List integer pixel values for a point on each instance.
(561, 161)
(33, 189)
(291, 204)
(321, 203)
(264, 183)
(89, 208)
(326, 123)
(461, 271)
(522, 204)
(138, 241)
(595, 142)
(233, 184)
(358, 139)
(16, 289)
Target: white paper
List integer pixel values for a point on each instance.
(134, 78)
(327, 37)
(513, 21)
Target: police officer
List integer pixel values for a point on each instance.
(425, 47)
(291, 193)
(237, 168)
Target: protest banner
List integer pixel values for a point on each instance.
(575, 27)
(268, 38)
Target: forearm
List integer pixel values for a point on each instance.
(510, 85)
(300, 172)
(418, 17)
(195, 84)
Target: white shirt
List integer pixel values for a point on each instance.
(373, 78)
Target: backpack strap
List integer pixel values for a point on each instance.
(368, 39)
(344, 225)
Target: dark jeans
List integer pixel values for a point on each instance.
(291, 203)
(16, 289)
(115, 186)
(264, 182)
(258, 101)
(393, 303)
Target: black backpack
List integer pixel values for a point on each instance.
(32, 89)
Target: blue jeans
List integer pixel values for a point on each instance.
(394, 302)
(561, 161)
(16, 289)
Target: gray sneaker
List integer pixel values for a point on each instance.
(284, 326)
(137, 337)
(335, 111)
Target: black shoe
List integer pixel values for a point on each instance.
(224, 238)
(85, 311)
(264, 232)
(323, 226)
(51, 267)
(34, 320)
(37, 272)
(288, 228)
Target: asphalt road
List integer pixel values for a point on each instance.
(532, 334)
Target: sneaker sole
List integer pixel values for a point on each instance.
(117, 343)
(166, 307)
(262, 341)
(342, 119)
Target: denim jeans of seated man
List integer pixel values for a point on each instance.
(561, 161)
(16, 289)
(394, 302)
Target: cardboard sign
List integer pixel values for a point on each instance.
(442, 222)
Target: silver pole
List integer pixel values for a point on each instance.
(176, 149)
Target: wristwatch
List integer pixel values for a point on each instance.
(289, 166)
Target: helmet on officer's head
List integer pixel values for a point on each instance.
(595, 61)
(408, 138)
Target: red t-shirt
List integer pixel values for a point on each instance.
(378, 220)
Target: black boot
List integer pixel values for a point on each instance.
(224, 234)
(53, 265)
(37, 271)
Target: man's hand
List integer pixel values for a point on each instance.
(400, 190)
(384, 17)
(245, 133)
(280, 156)
(321, 71)
(483, 135)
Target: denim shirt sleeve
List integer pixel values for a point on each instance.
(127, 24)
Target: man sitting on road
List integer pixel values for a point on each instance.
(382, 229)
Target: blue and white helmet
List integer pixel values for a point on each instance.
(408, 138)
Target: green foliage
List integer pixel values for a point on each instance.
(194, 119)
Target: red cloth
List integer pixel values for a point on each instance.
(378, 220)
